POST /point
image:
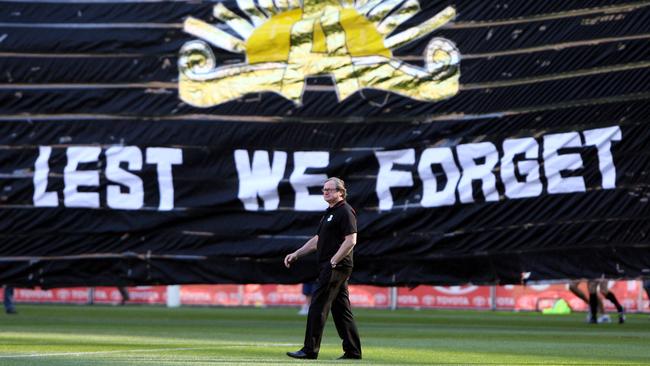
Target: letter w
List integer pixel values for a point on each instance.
(260, 178)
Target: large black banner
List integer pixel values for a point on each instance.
(148, 142)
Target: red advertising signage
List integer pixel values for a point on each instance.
(510, 297)
(273, 295)
(445, 297)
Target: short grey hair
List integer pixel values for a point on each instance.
(340, 185)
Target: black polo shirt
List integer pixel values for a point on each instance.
(338, 221)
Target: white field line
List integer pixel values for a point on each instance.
(148, 350)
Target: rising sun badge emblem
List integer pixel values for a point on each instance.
(286, 41)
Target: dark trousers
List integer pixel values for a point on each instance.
(332, 293)
(9, 298)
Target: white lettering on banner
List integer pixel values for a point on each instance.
(555, 163)
(519, 168)
(468, 154)
(43, 198)
(528, 167)
(602, 139)
(134, 198)
(431, 195)
(259, 179)
(448, 174)
(164, 158)
(300, 181)
(75, 177)
(387, 177)
(516, 168)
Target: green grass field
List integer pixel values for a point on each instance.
(137, 335)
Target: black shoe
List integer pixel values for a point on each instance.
(621, 317)
(11, 311)
(302, 355)
(347, 356)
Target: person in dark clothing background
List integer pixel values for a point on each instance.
(334, 241)
(308, 289)
(9, 300)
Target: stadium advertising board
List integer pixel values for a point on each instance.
(509, 297)
(186, 142)
(450, 297)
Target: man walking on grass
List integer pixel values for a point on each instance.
(335, 238)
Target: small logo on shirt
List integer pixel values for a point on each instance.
(330, 218)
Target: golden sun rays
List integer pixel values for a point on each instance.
(285, 41)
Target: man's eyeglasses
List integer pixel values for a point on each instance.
(327, 190)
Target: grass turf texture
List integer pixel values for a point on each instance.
(133, 335)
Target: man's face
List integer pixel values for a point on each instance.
(330, 193)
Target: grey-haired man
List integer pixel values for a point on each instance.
(334, 241)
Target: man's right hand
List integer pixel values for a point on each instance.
(290, 258)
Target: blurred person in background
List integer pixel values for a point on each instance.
(308, 289)
(574, 287)
(9, 300)
(602, 285)
(124, 293)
